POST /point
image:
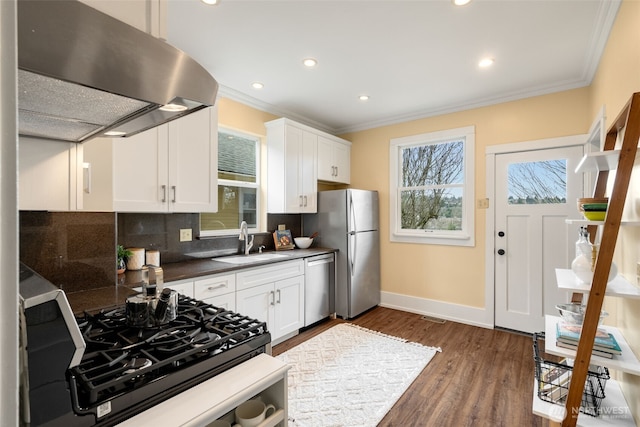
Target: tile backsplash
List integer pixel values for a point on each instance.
(73, 250)
(76, 250)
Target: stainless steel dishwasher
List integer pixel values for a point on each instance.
(319, 289)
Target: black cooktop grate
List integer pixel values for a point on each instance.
(120, 359)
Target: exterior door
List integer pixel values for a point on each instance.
(535, 192)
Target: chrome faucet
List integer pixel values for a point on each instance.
(244, 235)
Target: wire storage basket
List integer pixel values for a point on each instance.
(553, 374)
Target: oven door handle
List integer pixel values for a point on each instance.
(74, 397)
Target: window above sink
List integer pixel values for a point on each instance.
(238, 185)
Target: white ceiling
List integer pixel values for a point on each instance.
(413, 58)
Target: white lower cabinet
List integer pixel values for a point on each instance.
(184, 287)
(218, 290)
(273, 294)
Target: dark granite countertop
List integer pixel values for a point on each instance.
(192, 269)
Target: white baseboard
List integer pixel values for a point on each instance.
(443, 310)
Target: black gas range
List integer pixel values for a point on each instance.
(125, 370)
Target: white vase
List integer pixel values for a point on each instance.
(581, 267)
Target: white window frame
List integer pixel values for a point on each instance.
(241, 184)
(463, 237)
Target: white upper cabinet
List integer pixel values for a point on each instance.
(50, 175)
(334, 160)
(146, 15)
(171, 168)
(292, 168)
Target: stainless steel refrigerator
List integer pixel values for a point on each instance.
(347, 220)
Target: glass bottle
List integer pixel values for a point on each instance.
(582, 265)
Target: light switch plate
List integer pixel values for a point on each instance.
(483, 203)
(185, 235)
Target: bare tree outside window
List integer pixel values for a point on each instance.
(432, 181)
(543, 182)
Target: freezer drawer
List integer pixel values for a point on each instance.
(319, 275)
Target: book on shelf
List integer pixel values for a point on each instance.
(594, 352)
(571, 334)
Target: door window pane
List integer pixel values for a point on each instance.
(543, 182)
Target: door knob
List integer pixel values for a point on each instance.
(501, 233)
(500, 251)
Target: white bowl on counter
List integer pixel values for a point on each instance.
(303, 242)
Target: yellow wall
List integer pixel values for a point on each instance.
(240, 117)
(456, 275)
(618, 76)
(434, 272)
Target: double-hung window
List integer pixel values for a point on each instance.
(431, 188)
(238, 185)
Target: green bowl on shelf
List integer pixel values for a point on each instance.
(595, 215)
(595, 206)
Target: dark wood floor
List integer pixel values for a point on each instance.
(483, 377)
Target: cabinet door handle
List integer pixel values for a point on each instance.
(336, 171)
(273, 297)
(305, 201)
(300, 201)
(164, 193)
(173, 187)
(86, 175)
(278, 291)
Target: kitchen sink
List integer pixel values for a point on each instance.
(248, 259)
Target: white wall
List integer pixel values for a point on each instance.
(8, 217)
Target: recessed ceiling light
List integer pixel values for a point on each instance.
(257, 85)
(363, 97)
(486, 62)
(210, 2)
(458, 2)
(309, 62)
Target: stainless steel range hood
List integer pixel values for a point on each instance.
(83, 73)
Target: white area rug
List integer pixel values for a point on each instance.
(350, 376)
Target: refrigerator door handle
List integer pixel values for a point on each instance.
(352, 234)
(352, 252)
(352, 216)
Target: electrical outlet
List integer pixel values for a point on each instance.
(185, 235)
(281, 227)
(483, 203)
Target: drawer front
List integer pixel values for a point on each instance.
(261, 275)
(214, 285)
(227, 301)
(184, 287)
